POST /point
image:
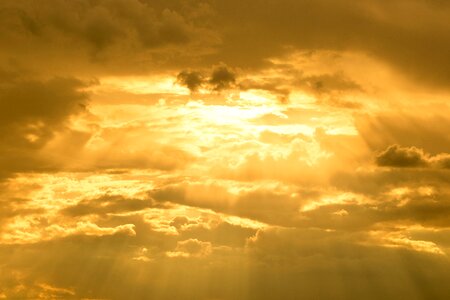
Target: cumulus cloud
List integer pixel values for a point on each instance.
(221, 78)
(410, 157)
(395, 156)
(191, 79)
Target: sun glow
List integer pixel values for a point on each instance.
(227, 150)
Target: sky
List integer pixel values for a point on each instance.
(225, 149)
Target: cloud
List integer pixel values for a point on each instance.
(283, 203)
(17, 233)
(378, 234)
(191, 79)
(98, 35)
(118, 184)
(12, 207)
(135, 37)
(106, 204)
(222, 77)
(395, 156)
(326, 83)
(14, 288)
(319, 257)
(442, 160)
(191, 248)
(252, 33)
(313, 262)
(280, 87)
(410, 157)
(32, 112)
(33, 101)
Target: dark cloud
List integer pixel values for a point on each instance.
(253, 32)
(31, 112)
(105, 205)
(97, 35)
(327, 86)
(33, 101)
(375, 183)
(410, 157)
(155, 35)
(427, 206)
(222, 77)
(395, 156)
(254, 205)
(191, 79)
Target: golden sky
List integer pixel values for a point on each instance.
(225, 149)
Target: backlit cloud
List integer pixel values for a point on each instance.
(203, 149)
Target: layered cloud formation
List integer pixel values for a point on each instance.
(224, 149)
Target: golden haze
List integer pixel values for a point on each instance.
(214, 149)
